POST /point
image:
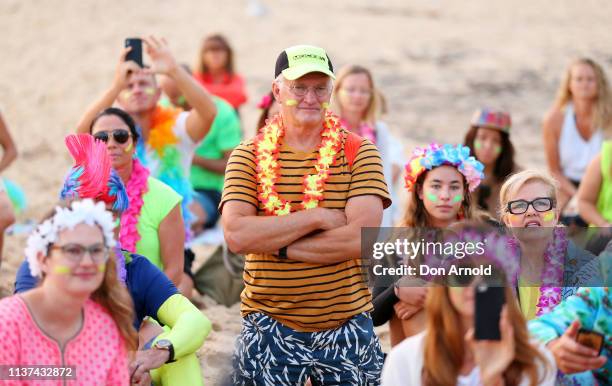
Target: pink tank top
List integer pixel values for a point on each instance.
(98, 351)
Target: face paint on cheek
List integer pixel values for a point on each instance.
(129, 147)
(431, 197)
(325, 105)
(149, 91)
(514, 218)
(125, 94)
(477, 145)
(549, 215)
(497, 150)
(102, 268)
(61, 270)
(291, 102)
(457, 198)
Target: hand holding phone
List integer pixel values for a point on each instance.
(590, 339)
(135, 53)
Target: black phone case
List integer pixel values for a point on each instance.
(135, 53)
(589, 338)
(489, 302)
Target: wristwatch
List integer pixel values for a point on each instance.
(165, 344)
(282, 253)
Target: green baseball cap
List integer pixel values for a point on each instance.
(297, 61)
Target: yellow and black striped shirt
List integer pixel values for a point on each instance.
(304, 296)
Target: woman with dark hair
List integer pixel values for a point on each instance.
(215, 71)
(149, 225)
(439, 180)
(489, 140)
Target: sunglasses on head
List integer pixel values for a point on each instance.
(119, 135)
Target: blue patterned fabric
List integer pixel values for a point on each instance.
(271, 354)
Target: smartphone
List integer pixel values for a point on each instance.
(135, 53)
(489, 301)
(591, 339)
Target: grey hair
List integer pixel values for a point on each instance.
(280, 79)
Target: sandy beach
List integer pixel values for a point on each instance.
(435, 61)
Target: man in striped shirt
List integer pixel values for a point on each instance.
(306, 302)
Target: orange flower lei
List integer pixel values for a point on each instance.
(162, 132)
(267, 145)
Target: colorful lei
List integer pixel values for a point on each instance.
(436, 155)
(137, 186)
(552, 273)
(267, 145)
(163, 142)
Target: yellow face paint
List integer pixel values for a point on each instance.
(128, 148)
(102, 268)
(149, 90)
(325, 105)
(291, 102)
(549, 215)
(62, 270)
(125, 94)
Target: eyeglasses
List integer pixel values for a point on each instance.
(120, 136)
(301, 90)
(76, 252)
(541, 204)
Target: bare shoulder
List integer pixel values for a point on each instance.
(553, 120)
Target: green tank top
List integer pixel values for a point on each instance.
(604, 201)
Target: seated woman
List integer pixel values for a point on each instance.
(572, 128)
(595, 191)
(156, 300)
(149, 225)
(358, 103)
(489, 140)
(589, 309)
(552, 266)
(79, 315)
(215, 71)
(439, 180)
(447, 353)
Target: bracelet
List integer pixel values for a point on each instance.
(282, 253)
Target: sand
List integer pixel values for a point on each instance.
(435, 61)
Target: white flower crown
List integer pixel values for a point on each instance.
(80, 212)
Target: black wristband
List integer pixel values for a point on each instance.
(171, 356)
(282, 253)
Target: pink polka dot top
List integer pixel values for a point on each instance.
(98, 351)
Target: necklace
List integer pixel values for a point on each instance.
(267, 145)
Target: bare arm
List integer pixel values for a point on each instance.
(110, 95)
(213, 165)
(343, 243)
(551, 128)
(10, 150)
(204, 110)
(171, 243)
(588, 192)
(245, 232)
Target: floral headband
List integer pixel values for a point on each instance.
(80, 212)
(436, 155)
(92, 176)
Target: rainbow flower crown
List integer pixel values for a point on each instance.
(435, 155)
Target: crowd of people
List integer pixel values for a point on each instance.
(160, 157)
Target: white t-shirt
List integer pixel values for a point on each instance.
(185, 146)
(404, 366)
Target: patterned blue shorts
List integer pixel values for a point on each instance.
(271, 354)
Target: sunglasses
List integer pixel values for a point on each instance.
(541, 204)
(120, 136)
